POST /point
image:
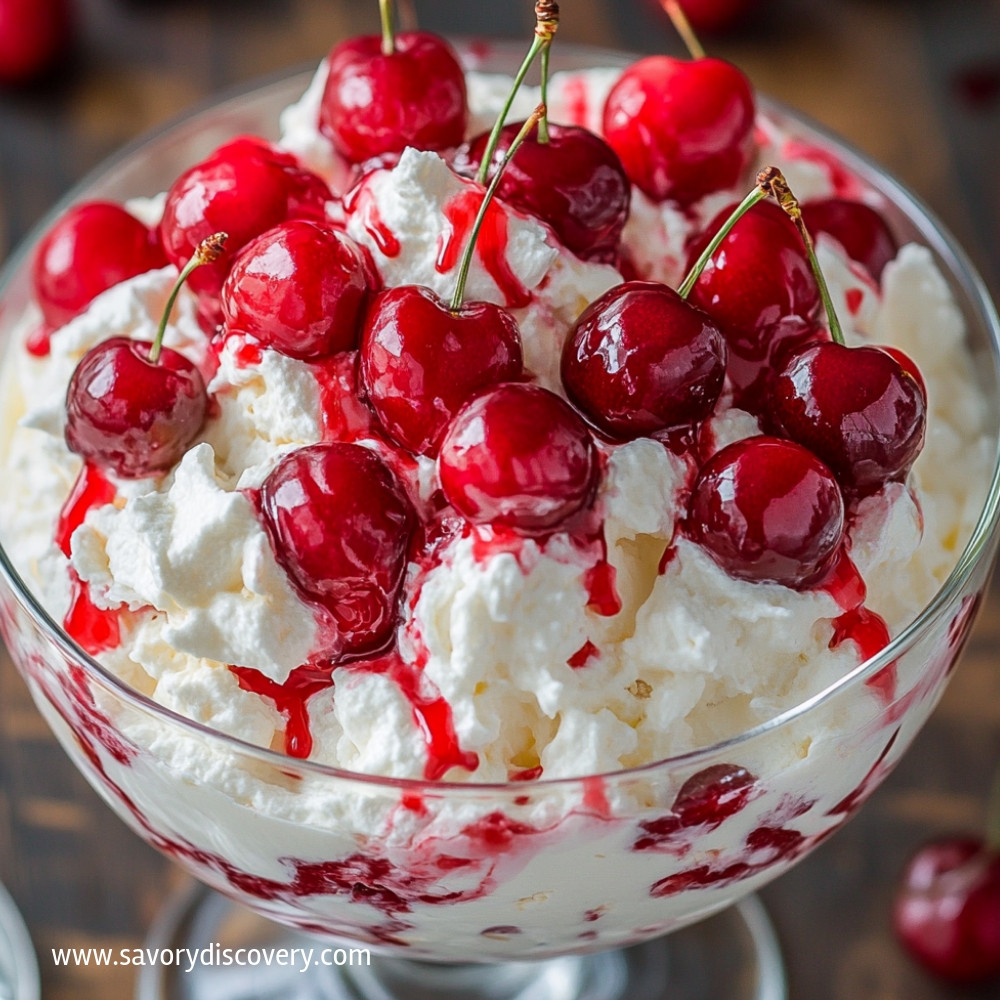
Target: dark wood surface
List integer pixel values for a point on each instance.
(917, 85)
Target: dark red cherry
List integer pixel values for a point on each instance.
(340, 525)
(90, 248)
(574, 182)
(715, 17)
(682, 128)
(714, 794)
(860, 230)
(129, 414)
(420, 361)
(375, 103)
(768, 511)
(856, 408)
(641, 359)
(33, 35)
(517, 455)
(947, 910)
(300, 289)
(244, 188)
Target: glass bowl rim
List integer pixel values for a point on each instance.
(938, 239)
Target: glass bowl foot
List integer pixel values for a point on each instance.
(733, 954)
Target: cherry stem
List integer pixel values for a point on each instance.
(207, 252)
(388, 35)
(546, 24)
(757, 194)
(683, 26)
(993, 815)
(774, 181)
(543, 124)
(463, 272)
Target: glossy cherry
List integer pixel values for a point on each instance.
(244, 188)
(340, 524)
(90, 248)
(301, 289)
(860, 230)
(518, 456)
(682, 128)
(947, 910)
(856, 408)
(768, 511)
(375, 103)
(33, 34)
(574, 182)
(420, 361)
(132, 415)
(641, 359)
(760, 290)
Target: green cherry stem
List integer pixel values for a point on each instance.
(993, 814)
(463, 271)
(683, 26)
(207, 252)
(773, 179)
(543, 124)
(546, 23)
(388, 34)
(757, 194)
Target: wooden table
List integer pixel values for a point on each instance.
(917, 86)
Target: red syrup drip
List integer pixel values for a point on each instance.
(669, 555)
(854, 298)
(95, 629)
(90, 490)
(575, 98)
(247, 354)
(866, 629)
(491, 245)
(583, 655)
(600, 583)
(39, 342)
(432, 715)
(528, 774)
(290, 698)
(361, 200)
(345, 417)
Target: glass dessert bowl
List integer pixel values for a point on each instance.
(560, 870)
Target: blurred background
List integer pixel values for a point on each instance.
(914, 84)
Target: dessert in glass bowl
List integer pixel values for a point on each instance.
(390, 613)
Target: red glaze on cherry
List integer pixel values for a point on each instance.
(947, 910)
(33, 35)
(300, 289)
(574, 182)
(760, 290)
(517, 455)
(244, 188)
(682, 128)
(375, 104)
(90, 248)
(856, 408)
(641, 359)
(420, 361)
(340, 524)
(768, 511)
(857, 227)
(131, 415)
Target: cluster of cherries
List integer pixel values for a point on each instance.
(446, 379)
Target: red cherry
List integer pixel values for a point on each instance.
(682, 128)
(91, 247)
(300, 289)
(714, 794)
(760, 290)
(132, 415)
(33, 34)
(375, 103)
(713, 17)
(420, 361)
(854, 407)
(947, 911)
(244, 188)
(340, 525)
(517, 455)
(640, 359)
(859, 229)
(574, 182)
(767, 510)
